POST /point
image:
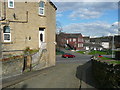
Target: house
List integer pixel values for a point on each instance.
(86, 39)
(28, 24)
(90, 46)
(105, 42)
(71, 40)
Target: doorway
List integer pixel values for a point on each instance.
(41, 36)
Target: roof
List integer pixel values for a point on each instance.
(91, 45)
(52, 4)
(101, 39)
(71, 35)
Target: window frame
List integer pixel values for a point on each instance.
(6, 33)
(9, 6)
(41, 8)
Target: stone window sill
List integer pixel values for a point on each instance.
(7, 42)
(42, 15)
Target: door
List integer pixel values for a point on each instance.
(41, 36)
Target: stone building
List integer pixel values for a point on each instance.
(28, 24)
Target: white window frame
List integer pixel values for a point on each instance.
(8, 33)
(74, 39)
(4, 37)
(41, 8)
(9, 3)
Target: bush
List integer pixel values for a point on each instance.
(28, 51)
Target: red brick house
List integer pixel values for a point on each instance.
(71, 40)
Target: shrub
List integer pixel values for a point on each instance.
(28, 51)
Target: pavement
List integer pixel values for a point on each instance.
(68, 73)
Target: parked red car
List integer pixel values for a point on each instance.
(68, 55)
(100, 56)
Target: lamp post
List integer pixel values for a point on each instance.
(113, 46)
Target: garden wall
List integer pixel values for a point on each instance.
(107, 75)
(18, 65)
(117, 55)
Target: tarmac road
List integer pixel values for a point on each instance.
(66, 74)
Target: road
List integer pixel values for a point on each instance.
(68, 73)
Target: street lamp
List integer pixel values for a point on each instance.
(113, 45)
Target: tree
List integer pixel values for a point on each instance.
(59, 27)
(58, 32)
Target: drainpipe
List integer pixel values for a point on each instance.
(4, 11)
(0, 33)
(0, 43)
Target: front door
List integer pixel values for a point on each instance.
(41, 36)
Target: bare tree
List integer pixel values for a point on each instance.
(59, 27)
(58, 32)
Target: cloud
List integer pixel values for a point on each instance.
(91, 29)
(85, 14)
(59, 15)
(86, 10)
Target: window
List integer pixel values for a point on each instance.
(74, 39)
(6, 34)
(41, 8)
(10, 3)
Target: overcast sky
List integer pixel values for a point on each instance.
(88, 18)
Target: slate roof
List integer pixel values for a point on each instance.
(91, 45)
(71, 35)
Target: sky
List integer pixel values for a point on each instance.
(88, 18)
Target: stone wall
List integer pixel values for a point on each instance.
(18, 65)
(12, 67)
(40, 62)
(117, 55)
(107, 75)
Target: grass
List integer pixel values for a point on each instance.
(99, 52)
(105, 58)
(115, 62)
(109, 60)
(81, 52)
